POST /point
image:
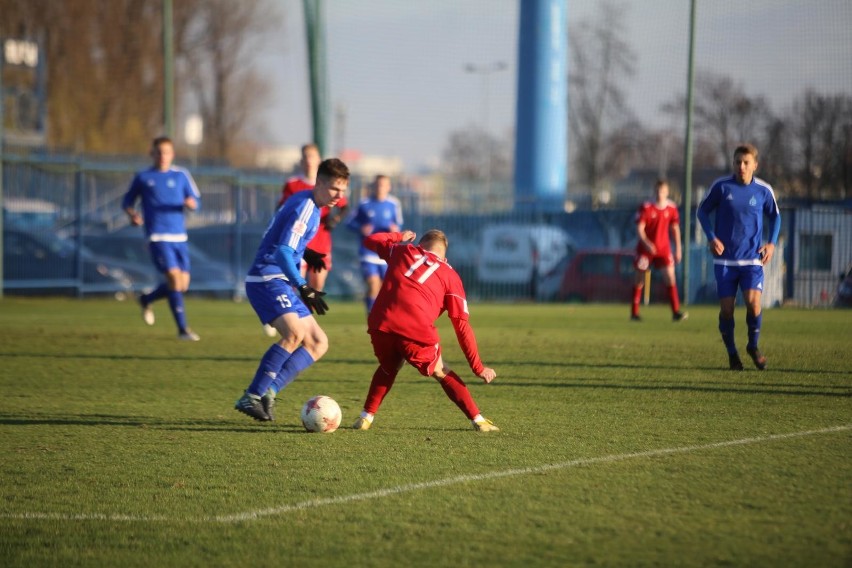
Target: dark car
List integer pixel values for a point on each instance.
(42, 263)
(843, 299)
(603, 275)
(208, 275)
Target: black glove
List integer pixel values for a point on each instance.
(334, 217)
(313, 299)
(314, 260)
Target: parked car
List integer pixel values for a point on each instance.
(42, 263)
(604, 275)
(517, 258)
(843, 298)
(29, 214)
(208, 275)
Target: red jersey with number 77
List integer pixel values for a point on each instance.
(416, 290)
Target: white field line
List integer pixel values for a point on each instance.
(399, 489)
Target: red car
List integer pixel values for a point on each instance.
(605, 275)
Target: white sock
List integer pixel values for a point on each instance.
(367, 416)
(478, 418)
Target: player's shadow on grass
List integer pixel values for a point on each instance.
(749, 388)
(638, 366)
(252, 359)
(152, 423)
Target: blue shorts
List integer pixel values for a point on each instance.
(274, 298)
(369, 269)
(167, 256)
(729, 278)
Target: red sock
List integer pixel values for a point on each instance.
(379, 388)
(637, 297)
(673, 299)
(457, 392)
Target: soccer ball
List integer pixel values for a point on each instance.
(321, 414)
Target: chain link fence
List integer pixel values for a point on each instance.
(65, 233)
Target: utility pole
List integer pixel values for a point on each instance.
(315, 33)
(168, 69)
(486, 71)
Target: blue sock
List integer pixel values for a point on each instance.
(726, 328)
(159, 292)
(298, 362)
(270, 365)
(176, 305)
(368, 302)
(753, 323)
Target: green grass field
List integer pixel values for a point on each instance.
(621, 444)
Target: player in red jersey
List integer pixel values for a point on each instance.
(329, 217)
(654, 223)
(419, 286)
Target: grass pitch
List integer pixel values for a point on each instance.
(622, 444)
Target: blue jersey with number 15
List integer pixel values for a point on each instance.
(293, 225)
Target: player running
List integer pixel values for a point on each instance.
(166, 192)
(419, 286)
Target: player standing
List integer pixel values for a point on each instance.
(740, 201)
(165, 191)
(655, 221)
(282, 297)
(380, 212)
(419, 286)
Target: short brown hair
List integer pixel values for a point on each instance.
(161, 140)
(746, 148)
(333, 168)
(435, 236)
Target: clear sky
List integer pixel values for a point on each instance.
(397, 67)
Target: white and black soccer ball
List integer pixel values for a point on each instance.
(321, 414)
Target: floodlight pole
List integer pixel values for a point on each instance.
(315, 34)
(486, 71)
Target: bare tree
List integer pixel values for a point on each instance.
(105, 67)
(216, 44)
(101, 70)
(600, 61)
(725, 115)
(822, 125)
(471, 152)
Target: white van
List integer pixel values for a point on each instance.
(523, 254)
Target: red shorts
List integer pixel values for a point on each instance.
(391, 350)
(643, 261)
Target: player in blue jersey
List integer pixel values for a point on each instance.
(281, 296)
(740, 202)
(166, 191)
(378, 213)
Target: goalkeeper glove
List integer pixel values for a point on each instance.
(314, 260)
(313, 299)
